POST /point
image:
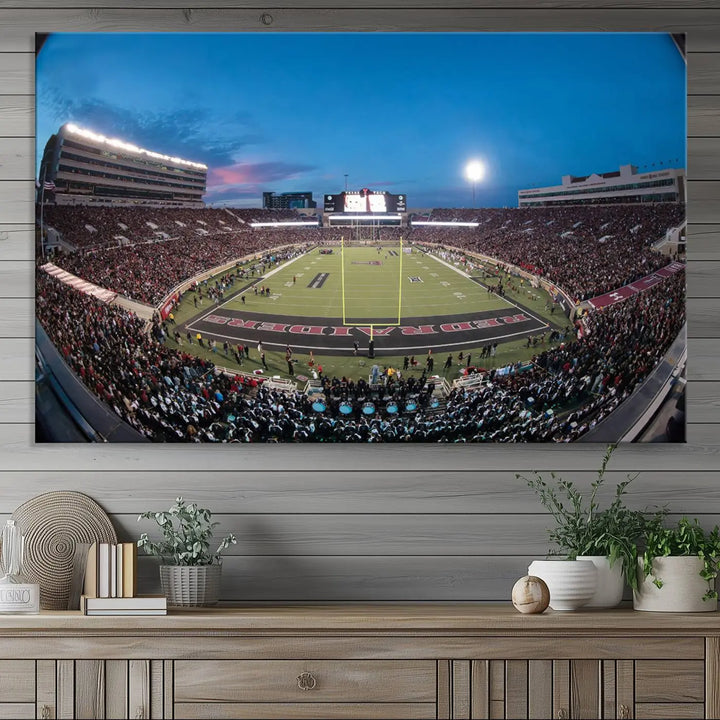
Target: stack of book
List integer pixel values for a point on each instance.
(110, 584)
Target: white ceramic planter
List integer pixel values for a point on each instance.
(571, 582)
(682, 589)
(610, 582)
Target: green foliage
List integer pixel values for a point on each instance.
(687, 538)
(187, 530)
(583, 528)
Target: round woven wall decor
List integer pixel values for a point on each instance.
(52, 524)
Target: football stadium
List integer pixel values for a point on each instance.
(367, 320)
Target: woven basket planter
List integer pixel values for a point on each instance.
(189, 585)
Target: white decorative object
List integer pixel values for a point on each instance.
(571, 582)
(530, 595)
(682, 587)
(610, 582)
(191, 585)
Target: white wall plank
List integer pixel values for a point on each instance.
(702, 26)
(390, 523)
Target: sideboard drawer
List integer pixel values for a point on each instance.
(276, 681)
(658, 681)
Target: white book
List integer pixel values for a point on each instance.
(113, 571)
(119, 570)
(104, 570)
(97, 613)
(139, 602)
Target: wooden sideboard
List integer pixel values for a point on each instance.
(439, 661)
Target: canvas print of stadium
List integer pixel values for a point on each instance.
(356, 238)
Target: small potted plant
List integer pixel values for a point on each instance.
(583, 531)
(189, 570)
(678, 568)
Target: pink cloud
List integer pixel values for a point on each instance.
(249, 173)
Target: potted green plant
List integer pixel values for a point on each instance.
(678, 567)
(584, 531)
(189, 570)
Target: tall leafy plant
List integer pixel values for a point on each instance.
(582, 527)
(186, 534)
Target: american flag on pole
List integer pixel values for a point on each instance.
(48, 185)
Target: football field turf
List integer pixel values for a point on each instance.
(379, 287)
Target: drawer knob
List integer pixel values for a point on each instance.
(562, 714)
(306, 681)
(45, 713)
(624, 712)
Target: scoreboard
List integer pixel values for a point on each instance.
(365, 201)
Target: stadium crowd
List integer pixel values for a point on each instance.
(143, 253)
(172, 396)
(587, 250)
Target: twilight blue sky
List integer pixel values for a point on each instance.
(399, 112)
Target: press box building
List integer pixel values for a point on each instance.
(625, 185)
(82, 167)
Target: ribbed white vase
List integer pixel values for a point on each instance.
(571, 582)
(682, 589)
(610, 582)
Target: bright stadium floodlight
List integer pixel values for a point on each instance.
(474, 172)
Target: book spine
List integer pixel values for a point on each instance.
(104, 570)
(119, 570)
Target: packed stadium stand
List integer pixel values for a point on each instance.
(172, 396)
(144, 252)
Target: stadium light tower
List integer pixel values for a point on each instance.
(474, 172)
(346, 182)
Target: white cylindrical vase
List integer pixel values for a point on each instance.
(571, 582)
(682, 587)
(610, 582)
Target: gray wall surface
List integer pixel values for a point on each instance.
(357, 523)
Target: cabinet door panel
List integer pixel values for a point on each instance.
(65, 689)
(659, 681)
(516, 689)
(116, 684)
(17, 711)
(17, 681)
(540, 684)
(497, 689)
(663, 711)
(46, 689)
(561, 688)
(89, 689)
(585, 688)
(479, 684)
(139, 688)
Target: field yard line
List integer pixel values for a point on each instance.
(504, 299)
(231, 298)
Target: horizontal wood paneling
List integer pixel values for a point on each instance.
(17, 242)
(592, 7)
(380, 534)
(703, 242)
(390, 523)
(702, 26)
(274, 493)
(20, 453)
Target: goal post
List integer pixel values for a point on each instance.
(371, 323)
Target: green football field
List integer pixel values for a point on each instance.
(394, 287)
